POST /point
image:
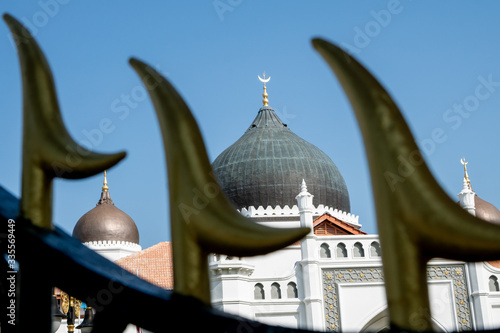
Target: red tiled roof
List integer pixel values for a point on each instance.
(154, 264)
(494, 263)
(327, 225)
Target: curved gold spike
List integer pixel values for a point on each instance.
(202, 219)
(48, 149)
(416, 219)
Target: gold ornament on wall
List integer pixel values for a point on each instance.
(64, 302)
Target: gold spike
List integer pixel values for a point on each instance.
(417, 220)
(202, 219)
(48, 149)
(105, 187)
(265, 101)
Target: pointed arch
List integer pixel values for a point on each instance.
(358, 251)
(493, 283)
(324, 251)
(258, 292)
(291, 290)
(380, 323)
(375, 250)
(341, 251)
(275, 291)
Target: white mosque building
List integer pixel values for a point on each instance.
(331, 280)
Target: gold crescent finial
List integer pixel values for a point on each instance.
(466, 175)
(416, 219)
(105, 187)
(212, 227)
(265, 101)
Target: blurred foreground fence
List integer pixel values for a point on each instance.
(413, 216)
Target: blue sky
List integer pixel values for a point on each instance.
(439, 60)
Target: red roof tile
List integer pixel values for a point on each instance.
(154, 264)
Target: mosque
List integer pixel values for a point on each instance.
(332, 280)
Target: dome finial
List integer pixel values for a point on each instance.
(265, 101)
(105, 187)
(466, 175)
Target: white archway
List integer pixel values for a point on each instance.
(380, 323)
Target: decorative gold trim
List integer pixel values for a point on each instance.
(77, 305)
(373, 274)
(64, 302)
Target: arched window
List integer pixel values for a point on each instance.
(291, 290)
(258, 292)
(324, 251)
(358, 250)
(375, 249)
(341, 250)
(493, 283)
(275, 291)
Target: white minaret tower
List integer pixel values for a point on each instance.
(466, 196)
(310, 262)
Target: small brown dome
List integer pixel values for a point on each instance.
(105, 222)
(486, 211)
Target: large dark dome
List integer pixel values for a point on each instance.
(265, 167)
(106, 222)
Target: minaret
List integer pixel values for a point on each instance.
(304, 202)
(310, 275)
(466, 196)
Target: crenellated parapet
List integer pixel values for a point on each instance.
(293, 211)
(270, 211)
(113, 244)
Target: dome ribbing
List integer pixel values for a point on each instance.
(265, 167)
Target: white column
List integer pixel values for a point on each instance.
(311, 273)
(466, 197)
(229, 283)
